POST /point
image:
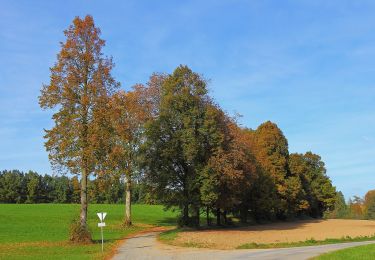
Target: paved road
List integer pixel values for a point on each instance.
(145, 246)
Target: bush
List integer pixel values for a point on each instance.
(79, 233)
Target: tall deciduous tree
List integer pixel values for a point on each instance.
(369, 203)
(80, 87)
(320, 195)
(271, 151)
(230, 170)
(174, 151)
(129, 111)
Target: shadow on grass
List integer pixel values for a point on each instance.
(168, 221)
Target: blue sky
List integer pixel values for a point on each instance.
(308, 66)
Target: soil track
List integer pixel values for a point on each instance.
(278, 233)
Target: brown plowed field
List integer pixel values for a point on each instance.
(278, 233)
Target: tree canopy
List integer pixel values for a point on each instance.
(169, 142)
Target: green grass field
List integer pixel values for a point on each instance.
(36, 231)
(366, 252)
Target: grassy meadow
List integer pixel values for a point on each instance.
(35, 231)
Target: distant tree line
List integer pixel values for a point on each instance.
(173, 140)
(355, 208)
(30, 187)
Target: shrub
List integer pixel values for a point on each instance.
(79, 233)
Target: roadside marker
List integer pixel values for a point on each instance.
(101, 216)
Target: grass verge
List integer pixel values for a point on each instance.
(309, 242)
(170, 236)
(366, 252)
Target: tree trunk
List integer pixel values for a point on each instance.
(243, 213)
(83, 215)
(128, 188)
(208, 216)
(197, 215)
(185, 217)
(218, 217)
(225, 217)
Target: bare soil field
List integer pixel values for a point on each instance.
(285, 232)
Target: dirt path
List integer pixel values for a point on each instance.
(145, 246)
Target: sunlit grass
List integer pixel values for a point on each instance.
(35, 231)
(366, 252)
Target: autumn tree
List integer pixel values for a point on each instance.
(231, 168)
(216, 126)
(356, 208)
(369, 204)
(174, 151)
(129, 111)
(79, 89)
(271, 152)
(300, 195)
(258, 195)
(317, 187)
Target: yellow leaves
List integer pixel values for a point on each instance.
(80, 84)
(303, 205)
(85, 100)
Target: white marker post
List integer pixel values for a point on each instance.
(101, 216)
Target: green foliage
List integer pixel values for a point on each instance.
(33, 187)
(62, 189)
(13, 187)
(371, 210)
(340, 209)
(195, 156)
(174, 150)
(316, 186)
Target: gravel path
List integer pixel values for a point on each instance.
(145, 246)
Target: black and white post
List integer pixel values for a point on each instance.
(101, 216)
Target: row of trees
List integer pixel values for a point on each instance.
(196, 157)
(171, 135)
(355, 208)
(31, 187)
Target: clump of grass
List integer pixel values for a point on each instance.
(196, 245)
(79, 234)
(169, 235)
(308, 242)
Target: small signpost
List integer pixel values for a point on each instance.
(101, 216)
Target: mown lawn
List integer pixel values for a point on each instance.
(366, 252)
(35, 231)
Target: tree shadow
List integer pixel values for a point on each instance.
(279, 225)
(167, 221)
